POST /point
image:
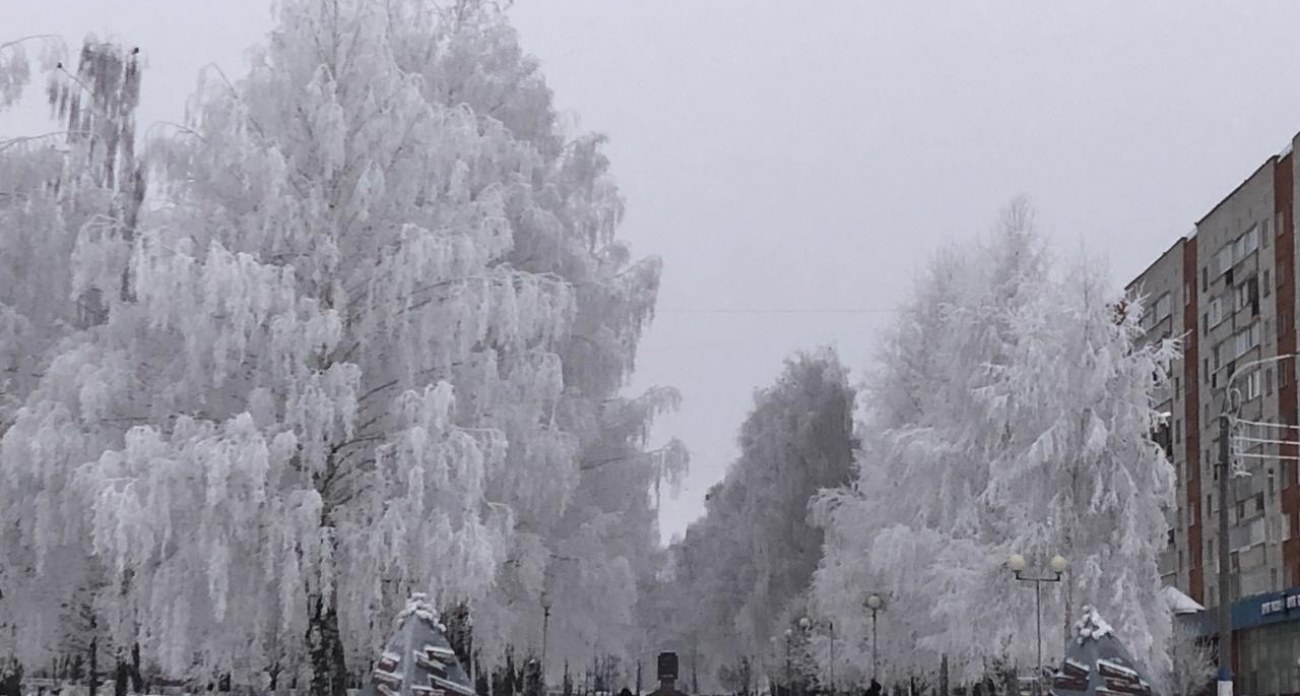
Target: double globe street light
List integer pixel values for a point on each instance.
(1058, 564)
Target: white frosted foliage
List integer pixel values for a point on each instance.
(1011, 412)
(359, 346)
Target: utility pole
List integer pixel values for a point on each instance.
(546, 622)
(1225, 596)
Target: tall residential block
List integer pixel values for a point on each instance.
(1228, 292)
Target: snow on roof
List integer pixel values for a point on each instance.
(1178, 602)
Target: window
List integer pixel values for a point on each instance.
(1215, 315)
(1268, 330)
(1241, 296)
(1162, 307)
(1277, 224)
(1283, 375)
(1178, 430)
(1267, 285)
(1268, 382)
(1176, 388)
(1225, 259)
(1209, 501)
(1259, 502)
(1252, 385)
(1241, 511)
(1272, 482)
(1264, 233)
(1205, 278)
(1187, 294)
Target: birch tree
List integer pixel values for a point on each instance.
(58, 190)
(357, 348)
(1011, 412)
(740, 576)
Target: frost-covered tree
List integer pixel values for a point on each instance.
(1011, 412)
(59, 191)
(16, 63)
(740, 574)
(1191, 661)
(361, 346)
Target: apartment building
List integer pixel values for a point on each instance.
(1171, 308)
(1228, 291)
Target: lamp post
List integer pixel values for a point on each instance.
(546, 621)
(1226, 415)
(805, 623)
(874, 604)
(830, 626)
(771, 683)
(789, 635)
(1058, 564)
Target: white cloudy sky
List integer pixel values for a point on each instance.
(795, 162)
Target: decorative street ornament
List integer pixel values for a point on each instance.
(1097, 664)
(418, 660)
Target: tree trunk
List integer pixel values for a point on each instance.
(92, 679)
(121, 678)
(11, 680)
(137, 677)
(325, 645)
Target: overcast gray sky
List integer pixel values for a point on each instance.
(794, 163)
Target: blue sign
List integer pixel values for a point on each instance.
(1264, 609)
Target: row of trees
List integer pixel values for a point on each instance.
(740, 575)
(1010, 410)
(358, 327)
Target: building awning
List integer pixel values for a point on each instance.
(1180, 603)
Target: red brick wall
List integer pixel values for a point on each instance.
(1284, 267)
(1192, 413)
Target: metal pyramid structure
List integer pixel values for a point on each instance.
(1097, 664)
(418, 660)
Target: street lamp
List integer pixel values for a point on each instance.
(1058, 564)
(789, 634)
(770, 681)
(874, 604)
(546, 620)
(1226, 414)
(805, 623)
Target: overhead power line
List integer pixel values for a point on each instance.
(773, 311)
